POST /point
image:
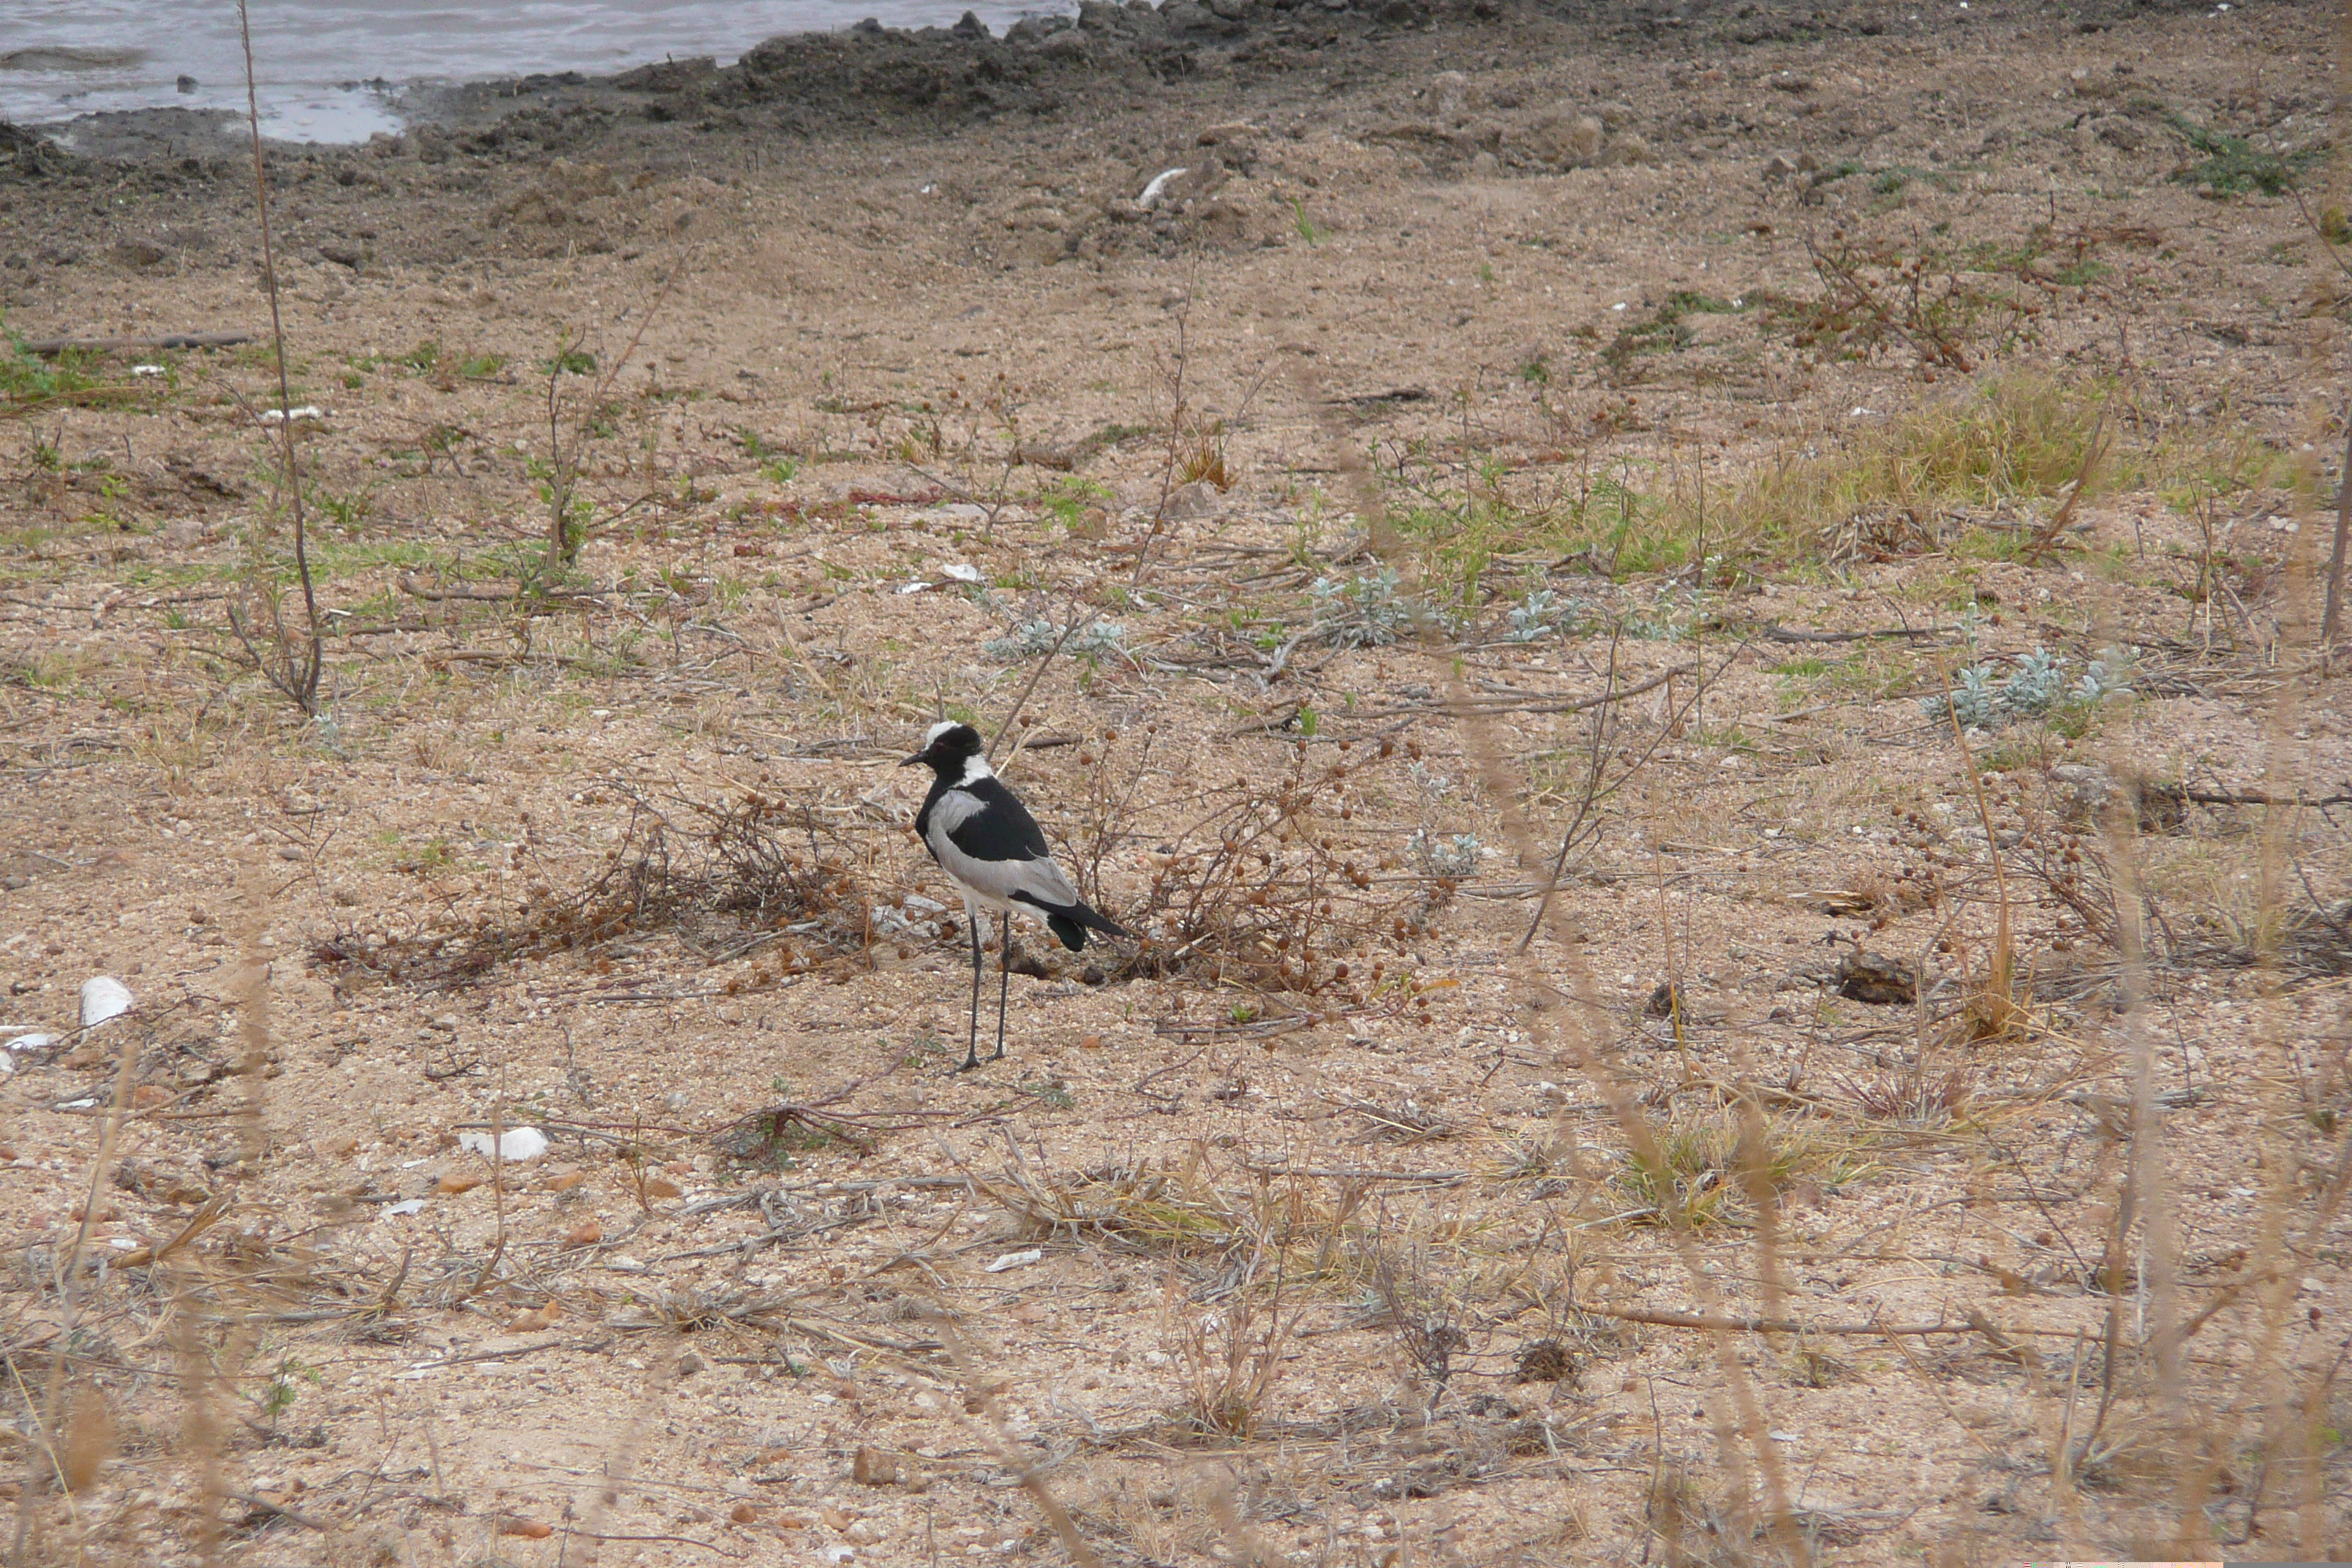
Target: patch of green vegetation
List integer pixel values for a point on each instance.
(571, 361)
(1801, 668)
(1304, 225)
(1705, 1164)
(346, 510)
(2233, 166)
(2022, 752)
(2015, 437)
(28, 380)
(424, 356)
(1066, 501)
(1053, 1092)
(54, 670)
(481, 367)
(349, 557)
(1618, 528)
(278, 1395)
(1665, 329)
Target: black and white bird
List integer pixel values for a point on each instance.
(991, 849)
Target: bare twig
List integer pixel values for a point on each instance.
(295, 676)
(115, 345)
(2047, 534)
(2331, 620)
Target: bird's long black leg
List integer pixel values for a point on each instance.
(972, 1045)
(1003, 981)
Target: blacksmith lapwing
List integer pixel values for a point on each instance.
(991, 849)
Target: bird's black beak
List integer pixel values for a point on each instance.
(922, 756)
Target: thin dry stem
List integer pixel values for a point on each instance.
(295, 676)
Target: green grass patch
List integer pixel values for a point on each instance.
(1665, 330)
(2233, 166)
(1621, 529)
(30, 381)
(2013, 438)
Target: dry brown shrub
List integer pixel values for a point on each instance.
(1276, 887)
(724, 875)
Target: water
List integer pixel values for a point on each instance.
(328, 70)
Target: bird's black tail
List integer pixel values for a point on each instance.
(1072, 923)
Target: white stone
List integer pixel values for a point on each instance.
(516, 1144)
(104, 997)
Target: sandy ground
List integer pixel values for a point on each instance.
(1308, 1227)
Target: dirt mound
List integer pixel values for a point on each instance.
(26, 156)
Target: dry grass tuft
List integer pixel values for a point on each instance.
(1710, 1163)
(1985, 460)
(1229, 1356)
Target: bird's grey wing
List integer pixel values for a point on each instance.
(1040, 880)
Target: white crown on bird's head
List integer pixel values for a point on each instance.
(967, 747)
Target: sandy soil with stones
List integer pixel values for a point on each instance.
(1307, 1226)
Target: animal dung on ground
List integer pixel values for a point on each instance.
(104, 997)
(515, 1143)
(1877, 979)
(1546, 1361)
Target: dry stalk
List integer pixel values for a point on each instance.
(2275, 1265)
(564, 465)
(1993, 1008)
(1748, 1419)
(1032, 1477)
(2146, 1171)
(2273, 1272)
(1250, 1549)
(2047, 534)
(295, 674)
(1230, 1356)
(49, 1459)
(2333, 261)
(1074, 628)
(620, 1462)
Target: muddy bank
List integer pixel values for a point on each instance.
(1091, 107)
